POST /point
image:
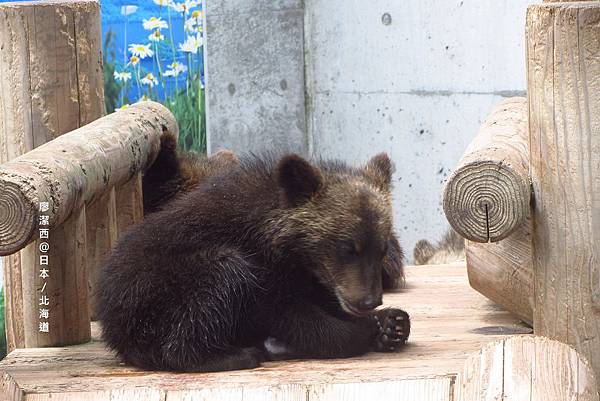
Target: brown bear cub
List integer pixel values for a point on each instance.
(263, 254)
(175, 173)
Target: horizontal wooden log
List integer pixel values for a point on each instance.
(77, 168)
(503, 271)
(487, 197)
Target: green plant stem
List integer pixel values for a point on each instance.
(160, 73)
(172, 46)
(137, 79)
(189, 75)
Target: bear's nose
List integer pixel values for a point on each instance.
(369, 303)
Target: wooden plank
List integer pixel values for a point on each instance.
(130, 203)
(65, 287)
(503, 271)
(88, 43)
(16, 135)
(101, 226)
(445, 330)
(564, 94)
(430, 389)
(44, 69)
(518, 376)
(526, 368)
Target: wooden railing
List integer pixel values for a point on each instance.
(546, 265)
(70, 183)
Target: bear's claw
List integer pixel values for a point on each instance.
(394, 329)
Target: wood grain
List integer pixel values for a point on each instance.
(130, 203)
(50, 83)
(503, 271)
(445, 330)
(487, 196)
(528, 368)
(66, 286)
(80, 166)
(563, 45)
(101, 235)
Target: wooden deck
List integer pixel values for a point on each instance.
(449, 321)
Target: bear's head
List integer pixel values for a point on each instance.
(340, 219)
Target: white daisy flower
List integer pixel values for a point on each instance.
(144, 98)
(190, 25)
(194, 23)
(179, 7)
(156, 36)
(184, 7)
(125, 106)
(162, 3)
(175, 69)
(141, 51)
(154, 23)
(123, 76)
(149, 80)
(191, 44)
(134, 60)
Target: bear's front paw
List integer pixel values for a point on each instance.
(394, 329)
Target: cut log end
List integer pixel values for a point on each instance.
(485, 201)
(17, 218)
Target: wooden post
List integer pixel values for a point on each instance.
(563, 71)
(130, 203)
(503, 271)
(487, 196)
(101, 227)
(80, 168)
(66, 287)
(526, 368)
(51, 82)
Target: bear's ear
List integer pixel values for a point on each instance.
(298, 178)
(379, 171)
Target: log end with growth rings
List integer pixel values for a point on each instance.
(485, 201)
(17, 218)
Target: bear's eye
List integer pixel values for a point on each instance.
(348, 250)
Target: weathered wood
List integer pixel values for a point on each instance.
(130, 203)
(13, 302)
(50, 83)
(503, 271)
(50, 71)
(526, 368)
(446, 328)
(101, 226)
(487, 196)
(66, 287)
(563, 46)
(78, 167)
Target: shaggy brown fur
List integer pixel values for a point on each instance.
(270, 249)
(175, 173)
(450, 249)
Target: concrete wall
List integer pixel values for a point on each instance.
(412, 78)
(255, 75)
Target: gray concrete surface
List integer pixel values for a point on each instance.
(255, 75)
(412, 78)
